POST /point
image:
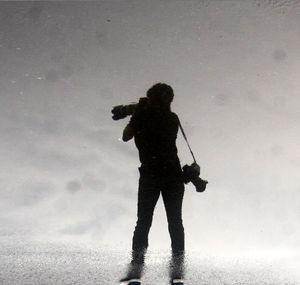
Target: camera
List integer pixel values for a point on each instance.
(191, 174)
(122, 111)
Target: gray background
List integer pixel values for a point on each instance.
(65, 174)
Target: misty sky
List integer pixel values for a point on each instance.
(234, 67)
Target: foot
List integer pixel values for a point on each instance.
(130, 282)
(176, 282)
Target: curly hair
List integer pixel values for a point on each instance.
(161, 92)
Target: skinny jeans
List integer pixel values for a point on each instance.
(172, 190)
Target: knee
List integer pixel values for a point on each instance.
(175, 221)
(144, 222)
(176, 225)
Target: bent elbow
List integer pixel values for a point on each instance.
(126, 138)
(127, 134)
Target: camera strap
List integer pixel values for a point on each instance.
(183, 133)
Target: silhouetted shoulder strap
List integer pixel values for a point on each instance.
(183, 133)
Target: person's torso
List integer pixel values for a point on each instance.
(155, 138)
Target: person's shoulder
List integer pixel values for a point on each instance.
(174, 117)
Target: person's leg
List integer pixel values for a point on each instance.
(173, 197)
(176, 269)
(148, 195)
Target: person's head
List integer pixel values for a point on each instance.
(161, 94)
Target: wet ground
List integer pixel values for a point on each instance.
(56, 263)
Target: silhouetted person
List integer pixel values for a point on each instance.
(154, 129)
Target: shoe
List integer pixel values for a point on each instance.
(130, 282)
(176, 282)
